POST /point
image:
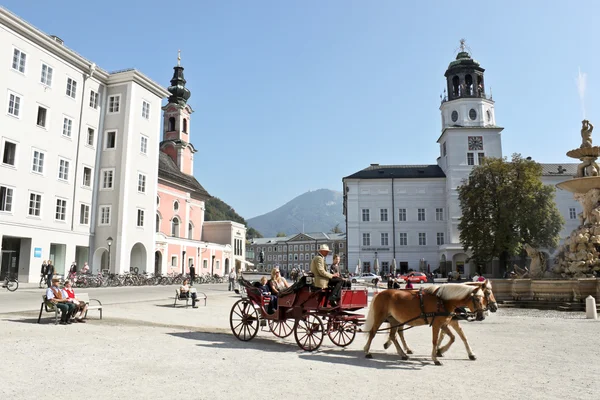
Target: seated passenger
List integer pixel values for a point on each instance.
(60, 299)
(185, 293)
(324, 279)
(277, 282)
(265, 290)
(80, 306)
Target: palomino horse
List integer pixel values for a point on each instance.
(489, 303)
(431, 305)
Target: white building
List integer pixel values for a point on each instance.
(78, 148)
(409, 214)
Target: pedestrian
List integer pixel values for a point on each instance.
(232, 278)
(50, 272)
(192, 274)
(43, 273)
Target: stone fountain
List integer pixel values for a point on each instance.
(579, 256)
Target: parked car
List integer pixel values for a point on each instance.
(415, 277)
(370, 278)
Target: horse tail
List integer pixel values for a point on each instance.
(370, 316)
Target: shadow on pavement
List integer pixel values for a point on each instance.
(43, 321)
(228, 341)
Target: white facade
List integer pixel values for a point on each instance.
(410, 213)
(65, 124)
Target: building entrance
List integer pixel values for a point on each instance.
(9, 265)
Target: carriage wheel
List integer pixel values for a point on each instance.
(243, 320)
(281, 329)
(341, 333)
(309, 332)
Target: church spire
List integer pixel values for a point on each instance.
(179, 93)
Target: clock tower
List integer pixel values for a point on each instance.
(469, 130)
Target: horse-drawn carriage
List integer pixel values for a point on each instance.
(303, 309)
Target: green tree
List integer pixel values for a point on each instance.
(504, 206)
(252, 233)
(336, 229)
(281, 234)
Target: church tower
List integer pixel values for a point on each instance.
(469, 130)
(176, 128)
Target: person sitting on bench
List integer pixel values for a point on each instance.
(324, 279)
(184, 292)
(61, 300)
(265, 290)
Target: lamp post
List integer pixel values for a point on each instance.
(212, 267)
(109, 242)
(375, 266)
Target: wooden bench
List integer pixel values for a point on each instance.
(48, 306)
(187, 299)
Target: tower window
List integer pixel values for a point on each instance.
(470, 159)
(185, 129)
(489, 115)
(171, 124)
(469, 85)
(472, 114)
(455, 86)
(454, 116)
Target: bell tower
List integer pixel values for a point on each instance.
(176, 122)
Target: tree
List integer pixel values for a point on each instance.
(504, 206)
(336, 229)
(252, 233)
(281, 234)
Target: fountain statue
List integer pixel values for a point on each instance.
(579, 256)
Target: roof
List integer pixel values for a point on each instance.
(312, 236)
(168, 170)
(567, 169)
(376, 171)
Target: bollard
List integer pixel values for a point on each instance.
(590, 308)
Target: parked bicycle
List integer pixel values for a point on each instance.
(11, 284)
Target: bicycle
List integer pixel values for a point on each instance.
(11, 284)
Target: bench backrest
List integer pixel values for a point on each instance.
(83, 297)
(50, 306)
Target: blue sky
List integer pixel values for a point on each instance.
(291, 96)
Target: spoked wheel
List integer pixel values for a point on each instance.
(281, 329)
(341, 333)
(243, 320)
(309, 332)
(12, 285)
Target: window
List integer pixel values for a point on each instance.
(366, 239)
(171, 124)
(175, 227)
(421, 214)
(87, 177)
(403, 239)
(104, 215)
(140, 218)
(9, 154)
(444, 149)
(572, 213)
(402, 214)
(84, 214)
(41, 116)
(365, 215)
(174, 261)
(114, 103)
(141, 183)
(38, 162)
(67, 126)
(71, 87)
(157, 227)
(440, 238)
(94, 97)
(470, 159)
(439, 214)
(176, 206)
(90, 137)
(61, 210)
(14, 105)
(6, 197)
(383, 215)
(19, 59)
(107, 178)
(191, 231)
(204, 264)
(422, 239)
(46, 77)
(143, 144)
(111, 139)
(384, 239)
(63, 169)
(35, 204)
(185, 128)
(480, 157)
(145, 109)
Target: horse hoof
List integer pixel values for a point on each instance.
(368, 356)
(386, 345)
(439, 354)
(472, 357)
(409, 351)
(404, 358)
(437, 362)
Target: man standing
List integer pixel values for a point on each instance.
(324, 279)
(60, 298)
(192, 274)
(43, 273)
(50, 271)
(232, 278)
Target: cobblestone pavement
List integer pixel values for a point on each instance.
(150, 350)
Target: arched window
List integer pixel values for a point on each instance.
(455, 86)
(157, 223)
(185, 125)
(176, 206)
(190, 231)
(175, 227)
(171, 124)
(469, 84)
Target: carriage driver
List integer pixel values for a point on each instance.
(324, 279)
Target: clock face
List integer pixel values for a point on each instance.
(475, 143)
(454, 116)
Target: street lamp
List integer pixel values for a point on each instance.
(109, 242)
(212, 267)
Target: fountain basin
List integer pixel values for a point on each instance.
(584, 152)
(580, 185)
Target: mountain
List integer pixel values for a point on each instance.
(218, 210)
(318, 211)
